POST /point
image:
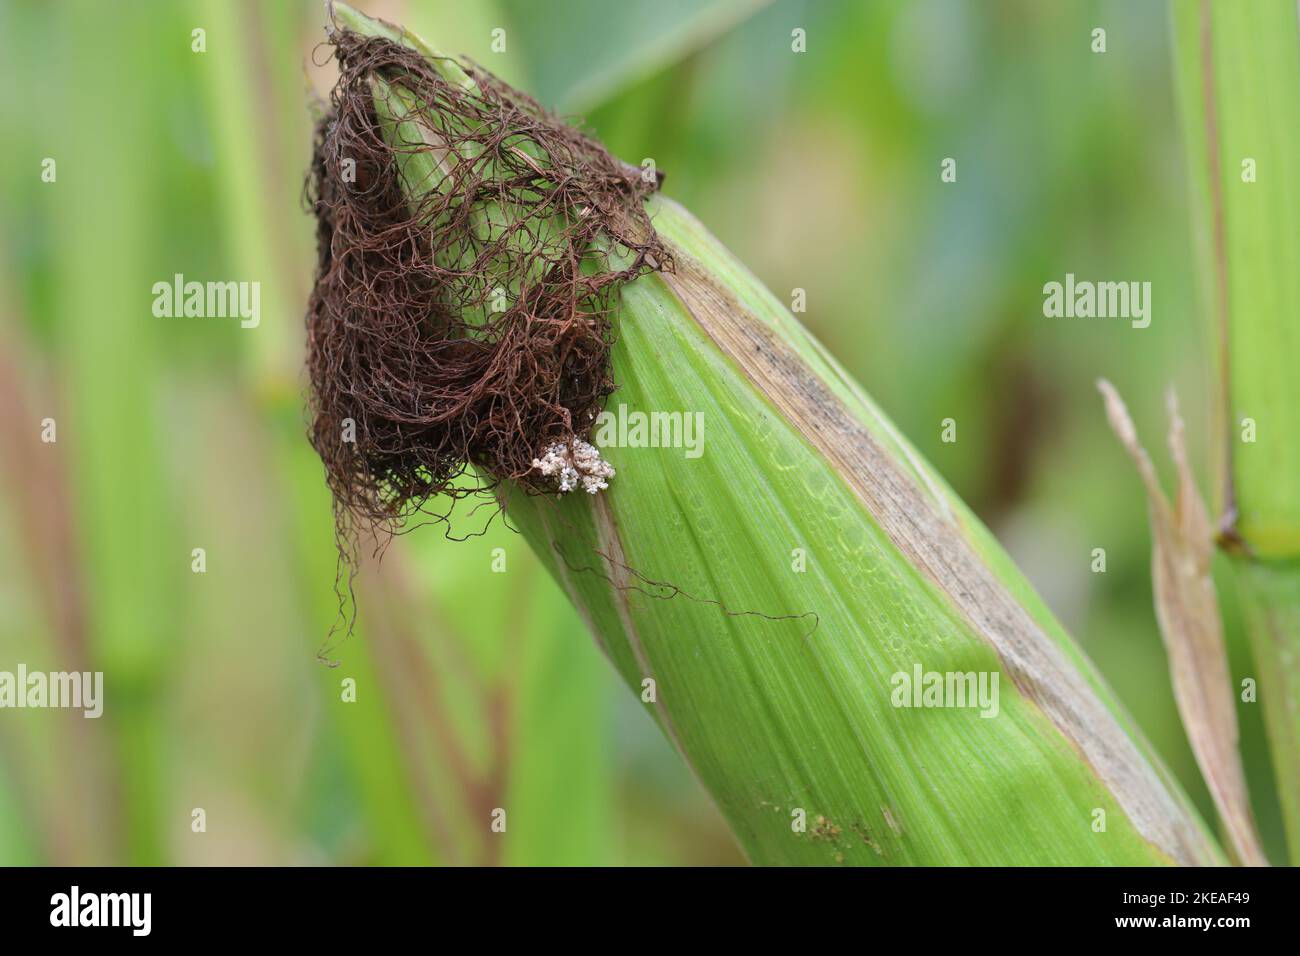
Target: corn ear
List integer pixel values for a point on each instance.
(773, 587)
(767, 598)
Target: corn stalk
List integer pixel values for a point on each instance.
(770, 598)
(1239, 86)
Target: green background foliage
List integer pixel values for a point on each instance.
(478, 689)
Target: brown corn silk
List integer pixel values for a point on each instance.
(470, 247)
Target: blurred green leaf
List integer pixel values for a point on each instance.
(595, 49)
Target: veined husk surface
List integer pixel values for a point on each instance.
(776, 684)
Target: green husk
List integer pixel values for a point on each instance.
(779, 711)
(775, 683)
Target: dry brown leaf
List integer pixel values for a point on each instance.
(1188, 611)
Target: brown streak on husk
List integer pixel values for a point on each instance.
(932, 542)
